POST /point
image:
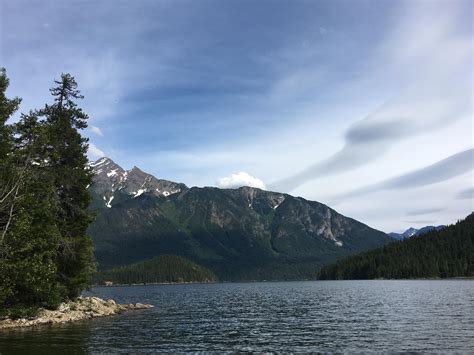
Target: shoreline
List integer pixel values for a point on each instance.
(79, 309)
(159, 283)
(256, 281)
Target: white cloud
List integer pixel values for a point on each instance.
(96, 130)
(240, 179)
(95, 152)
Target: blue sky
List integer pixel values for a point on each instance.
(352, 103)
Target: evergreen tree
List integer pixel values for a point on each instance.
(28, 233)
(67, 161)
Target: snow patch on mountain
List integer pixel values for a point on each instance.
(110, 178)
(112, 173)
(108, 204)
(278, 202)
(138, 193)
(414, 232)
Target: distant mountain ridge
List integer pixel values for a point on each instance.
(413, 232)
(238, 234)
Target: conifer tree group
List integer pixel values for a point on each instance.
(45, 253)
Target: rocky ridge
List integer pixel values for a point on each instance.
(111, 180)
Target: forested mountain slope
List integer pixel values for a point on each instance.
(448, 252)
(238, 234)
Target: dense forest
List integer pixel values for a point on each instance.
(448, 252)
(161, 269)
(45, 253)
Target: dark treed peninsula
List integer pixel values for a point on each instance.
(161, 269)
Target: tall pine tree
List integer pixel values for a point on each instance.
(67, 162)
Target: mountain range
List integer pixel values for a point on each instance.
(238, 234)
(413, 232)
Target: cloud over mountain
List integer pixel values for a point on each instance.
(95, 152)
(240, 179)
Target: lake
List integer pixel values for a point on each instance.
(320, 316)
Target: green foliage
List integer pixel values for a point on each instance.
(161, 269)
(28, 270)
(448, 252)
(19, 311)
(34, 229)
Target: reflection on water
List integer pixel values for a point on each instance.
(282, 316)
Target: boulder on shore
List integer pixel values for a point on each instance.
(80, 308)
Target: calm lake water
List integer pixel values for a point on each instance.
(324, 316)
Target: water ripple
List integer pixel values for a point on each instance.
(338, 316)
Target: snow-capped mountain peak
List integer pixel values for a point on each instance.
(410, 232)
(413, 232)
(111, 180)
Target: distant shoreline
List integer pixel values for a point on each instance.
(255, 281)
(158, 283)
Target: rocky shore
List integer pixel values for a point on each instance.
(81, 308)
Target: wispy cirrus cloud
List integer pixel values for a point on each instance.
(425, 211)
(96, 130)
(433, 92)
(422, 221)
(442, 170)
(466, 194)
